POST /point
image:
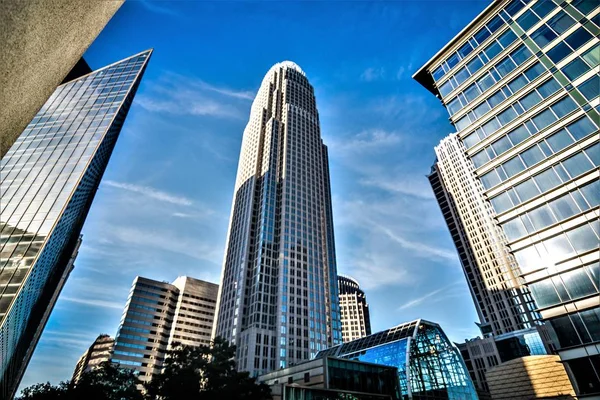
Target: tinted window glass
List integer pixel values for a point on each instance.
(527, 20)
(526, 190)
(547, 180)
(578, 38)
(544, 119)
(577, 164)
(543, 36)
(564, 207)
(518, 135)
(558, 52)
(581, 128)
(513, 166)
(590, 88)
(544, 293)
(530, 100)
(492, 50)
(532, 156)
(564, 107)
(575, 69)
(559, 140)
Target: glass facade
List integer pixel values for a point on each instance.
(529, 126)
(429, 365)
(48, 181)
(278, 300)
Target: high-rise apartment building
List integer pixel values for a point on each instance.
(278, 300)
(99, 352)
(40, 42)
(48, 180)
(354, 310)
(159, 315)
(501, 301)
(521, 85)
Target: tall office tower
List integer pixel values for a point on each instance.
(354, 310)
(160, 314)
(99, 352)
(278, 300)
(521, 85)
(40, 42)
(48, 180)
(501, 301)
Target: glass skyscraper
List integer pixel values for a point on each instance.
(429, 365)
(278, 300)
(521, 85)
(48, 180)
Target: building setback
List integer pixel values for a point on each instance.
(354, 310)
(159, 315)
(279, 301)
(48, 181)
(40, 42)
(520, 83)
(429, 365)
(99, 352)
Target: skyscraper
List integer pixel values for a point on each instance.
(48, 180)
(159, 314)
(40, 41)
(99, 352)
(521, 85)
(501, 301)
(278, 300)
(354, 310)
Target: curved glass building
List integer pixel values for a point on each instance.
(429, 365)
(278, 300)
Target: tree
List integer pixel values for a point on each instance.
(204, 373)
(45, 391)
(107, 382)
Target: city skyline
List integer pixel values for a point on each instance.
(188, 123)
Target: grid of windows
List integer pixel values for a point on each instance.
(278, 300)
(183, 312)
(48, 180)
(533, 144)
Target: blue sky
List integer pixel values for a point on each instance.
(163, 207)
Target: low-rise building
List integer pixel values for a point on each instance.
(329, 378)
(429, 365)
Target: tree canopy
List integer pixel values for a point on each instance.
(189, 373)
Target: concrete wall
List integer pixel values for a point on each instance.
(40, 41)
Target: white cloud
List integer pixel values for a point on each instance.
(150, 192)
(372, 74)
(95, 302)
(184, 95)
(435, 296)
(401, 185)
(371, 140)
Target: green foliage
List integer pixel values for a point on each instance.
(190, 373)
(107, 382)
(205, 373)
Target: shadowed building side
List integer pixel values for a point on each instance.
(40, 42)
